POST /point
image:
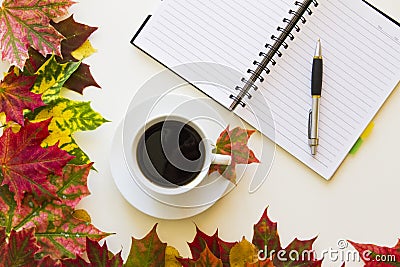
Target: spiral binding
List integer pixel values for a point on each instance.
(273, 49)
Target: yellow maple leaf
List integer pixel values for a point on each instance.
(170, 257)
(15, 127)
(84, 51)
(242, 253)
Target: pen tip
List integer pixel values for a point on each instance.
(318, 49)
(313, 150)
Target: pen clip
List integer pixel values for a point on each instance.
(309, 123)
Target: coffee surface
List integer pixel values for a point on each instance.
(170, 153)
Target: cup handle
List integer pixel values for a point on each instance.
(220, 159)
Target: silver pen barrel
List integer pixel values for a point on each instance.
(313, 140)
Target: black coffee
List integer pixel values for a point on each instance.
(170, 153)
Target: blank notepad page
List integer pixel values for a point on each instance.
(361, 65)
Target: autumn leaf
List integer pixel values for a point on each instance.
(265, 263)
(85, 51)
(234, 143)
(15, 127)
(225, 249)
(171, 257)
(2, 238)
(68, 117)
(81, 79)
(59, 231)
(34, 62)
(297, 253)
(266, 235)
(147, 252)
(80, 157)
(24, 164)
(51, 77)
(218, 247)
(207, 259)
(98, 256)
(16, 95)
(72, 185)
(201, 241)
(243, 253)
(47, 262)
(76, 38)
(378, 256)
(20, 248)
(76, 34)
(25, 24)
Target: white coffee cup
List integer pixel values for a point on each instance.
(146, 176)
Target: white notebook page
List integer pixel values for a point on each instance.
(361, 65)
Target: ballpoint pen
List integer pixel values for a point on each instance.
(316, 86)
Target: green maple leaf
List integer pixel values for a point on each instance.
(234, 143)
(25, 24)
(147, 252)
(59, 231)
(16, 95)
(67, 117)
(51, 77)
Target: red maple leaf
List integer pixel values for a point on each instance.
(97, 255)
(25, 165)
(234, 143)
(377, 256)
(20, 248)
(266, 237)
(15, 96)
(218, 247)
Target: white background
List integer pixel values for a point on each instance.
(360, 203)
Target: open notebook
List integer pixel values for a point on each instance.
(361, 49)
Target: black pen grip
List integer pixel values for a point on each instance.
(316, 78)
